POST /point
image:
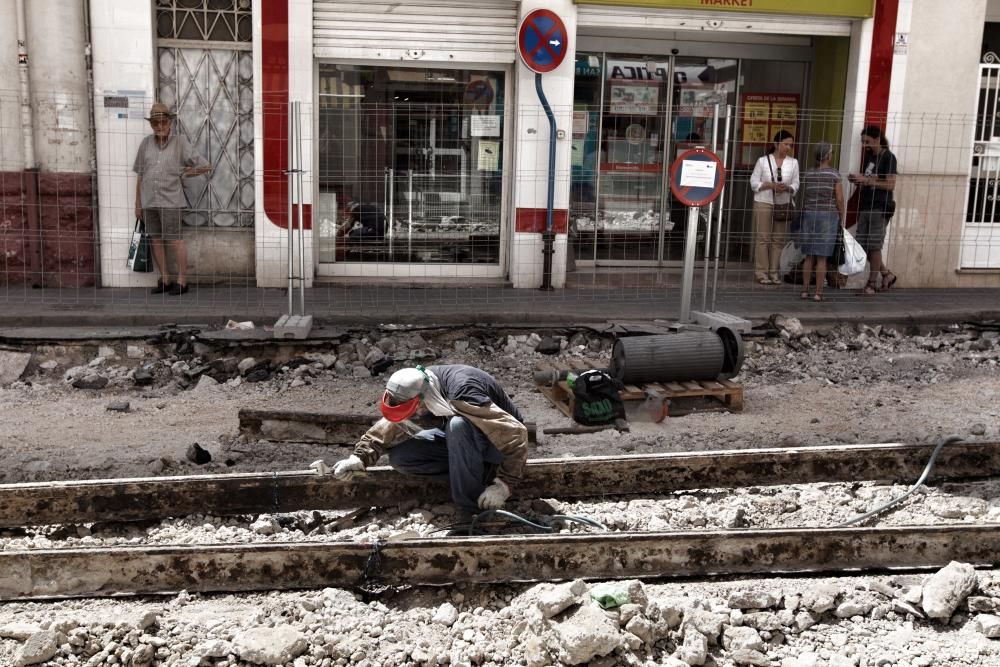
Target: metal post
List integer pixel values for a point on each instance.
(290, 172)
(409, 217)
(721, 200)
(300, 191)
(548, 236)
(711, 209)
(392, 211)
(690, 246)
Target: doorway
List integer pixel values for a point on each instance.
(632, 117)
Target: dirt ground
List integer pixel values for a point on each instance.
(893, 391)
(844, 385)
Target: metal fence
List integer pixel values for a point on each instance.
(439, 188)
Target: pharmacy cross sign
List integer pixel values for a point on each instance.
(542, 41)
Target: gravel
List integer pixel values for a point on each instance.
(843, 385)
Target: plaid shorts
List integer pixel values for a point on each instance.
(163, 223)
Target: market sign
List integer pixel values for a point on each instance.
(860, 9)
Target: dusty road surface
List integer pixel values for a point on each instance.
(844, 385)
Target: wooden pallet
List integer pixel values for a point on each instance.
(652, 401)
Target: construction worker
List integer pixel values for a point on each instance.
(450, 422)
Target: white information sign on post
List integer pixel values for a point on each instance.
(697, 174)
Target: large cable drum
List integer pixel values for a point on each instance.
(686, 355)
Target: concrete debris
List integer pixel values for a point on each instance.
(39, 648)
(12, 366)
(989, 625)
(117, 406)
(197, 454)
(585, 634)
(270, 646)
(91, 381)
(877, 376)
(947, 588)
(18, 631)
(446, 615)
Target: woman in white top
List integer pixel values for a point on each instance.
(775, 180)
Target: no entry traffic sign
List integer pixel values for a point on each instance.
(697, 177)
(542, 41)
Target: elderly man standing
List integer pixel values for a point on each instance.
(451, 422)
(163, 160)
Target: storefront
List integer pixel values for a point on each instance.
(412, 126)
(655, 80)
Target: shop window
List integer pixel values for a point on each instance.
(632, 117)
(421, 150)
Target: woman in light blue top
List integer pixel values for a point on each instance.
(822, 213)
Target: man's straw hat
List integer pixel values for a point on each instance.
(160, 110)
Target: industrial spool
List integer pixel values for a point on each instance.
(686, 355)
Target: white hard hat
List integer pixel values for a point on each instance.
(402, 394)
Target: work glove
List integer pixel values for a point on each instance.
(347, 468)
(494, 496)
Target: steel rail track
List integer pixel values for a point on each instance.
(562, 478)
(242, 568)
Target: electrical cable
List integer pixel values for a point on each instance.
(508, 515)
(927, 471)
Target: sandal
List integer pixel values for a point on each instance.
(870, 289)
(804, 295)
(888, 280)
(818, 297)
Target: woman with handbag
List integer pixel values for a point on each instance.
(822, 212)
(774, 181)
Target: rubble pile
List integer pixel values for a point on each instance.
(948, 618)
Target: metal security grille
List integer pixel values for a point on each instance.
(981, 236)
(204, 20)
(458, 31)
(212, 91)
(206, 75)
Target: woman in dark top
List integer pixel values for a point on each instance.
(822, 213)
(876, 206)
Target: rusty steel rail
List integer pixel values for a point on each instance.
(226, 568)
(563, 478)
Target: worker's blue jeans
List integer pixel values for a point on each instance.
(460, 454)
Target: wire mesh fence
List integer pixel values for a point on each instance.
(416, 191)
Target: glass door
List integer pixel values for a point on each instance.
(632, 118)
(631, 219)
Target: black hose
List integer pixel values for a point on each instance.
(927, 471)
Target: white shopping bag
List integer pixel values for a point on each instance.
(855, 258)
(791, 257)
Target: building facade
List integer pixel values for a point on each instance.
(423, 114)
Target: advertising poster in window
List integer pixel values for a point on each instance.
(763, 116)
(633, 99)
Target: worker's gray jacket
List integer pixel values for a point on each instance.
(475, 395)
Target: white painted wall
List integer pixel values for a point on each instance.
(993, 11)
(531, 152)
(271, 240)
(122, 35)
(936, 86)
(11, 146)
(56, 42)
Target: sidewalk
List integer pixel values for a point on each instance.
(365, 305)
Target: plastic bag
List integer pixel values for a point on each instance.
(140, 256)
(855, 257)
(610, 594)
(791, 257)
